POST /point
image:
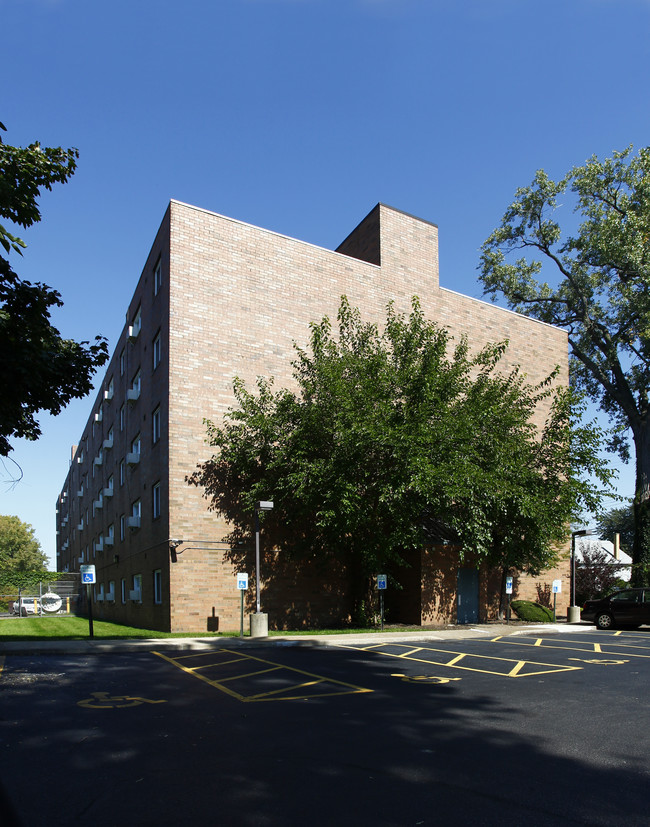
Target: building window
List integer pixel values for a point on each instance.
(122, 417)
(136, 592)
(155, 492)
(122, 362)
(155, 425)
(122, 472)
(123, 588)
(156, 351)
(122, 528)
(133, 521)
(157, 278)
(135, 445)
(157, 586)
(110, 596)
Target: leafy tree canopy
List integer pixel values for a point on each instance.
(601, 296)
(618, 521)
(395, 437)
(40, 370)
(20, 551)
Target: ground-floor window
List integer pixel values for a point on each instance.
(157, 586)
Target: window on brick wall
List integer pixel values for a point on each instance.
(156, 350)
(155, 425)
(155, 496)
(157, 586)
(157, 278)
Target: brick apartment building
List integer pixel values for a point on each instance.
(219, 298)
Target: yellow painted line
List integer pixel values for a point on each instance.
(412, 652)
(454, 661)
(587, 646)
(2, 663)
(219, 683)
(250, 674)
(538, 642)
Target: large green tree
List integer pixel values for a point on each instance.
(20, 551)
(40, 370)
(600, 294)
(394, 437)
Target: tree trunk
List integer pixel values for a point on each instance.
(641, 549)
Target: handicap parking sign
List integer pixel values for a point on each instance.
(87, 574)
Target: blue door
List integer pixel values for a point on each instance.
(467, 600)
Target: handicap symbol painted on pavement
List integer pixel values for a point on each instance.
(102, 700)
(600, 661)
(423, 678)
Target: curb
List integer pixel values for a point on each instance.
(109, 647)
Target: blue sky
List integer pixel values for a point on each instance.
(298, 116)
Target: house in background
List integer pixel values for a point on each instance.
(219, 298)
(614, 556)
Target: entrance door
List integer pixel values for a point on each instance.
(467, 601)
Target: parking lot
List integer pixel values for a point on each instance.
(496, 729)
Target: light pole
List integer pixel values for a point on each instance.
(259, 621)
(574, 611)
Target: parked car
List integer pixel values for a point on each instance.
(629, 607)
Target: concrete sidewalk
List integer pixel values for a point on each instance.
(98, 646)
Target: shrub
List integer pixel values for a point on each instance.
(532, 612)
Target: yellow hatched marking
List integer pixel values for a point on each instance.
(411, 652)
(515, 671)
(348, 688)
(587, 646)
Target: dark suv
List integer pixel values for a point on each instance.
(630, 607)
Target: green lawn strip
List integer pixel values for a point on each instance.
(76, 628)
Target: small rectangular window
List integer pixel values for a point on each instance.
(155, 425)
(122, 417)
(123, 588)
(122, 362)
(157, 586)
(122, 527)
(156, 351)
(155, 492)
(157, 278)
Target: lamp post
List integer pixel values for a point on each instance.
(259, 621)
(574, 611)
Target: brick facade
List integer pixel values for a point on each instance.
(230, 300)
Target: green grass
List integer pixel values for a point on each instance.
(76, 628)
(73, 628)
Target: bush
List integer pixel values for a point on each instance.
(532, 612)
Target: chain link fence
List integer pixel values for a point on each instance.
(44, 598)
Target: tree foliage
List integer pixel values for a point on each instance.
(602, 296)
(20, 551)
(596, 573)
(40, 370)
(393, 438)
(618, 521)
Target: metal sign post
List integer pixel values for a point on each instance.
(557, 588)
(88, 578)
(381, 585)
(509, 593)
(242, 585)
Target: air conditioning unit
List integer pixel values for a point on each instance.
(134, 595)
(133, 522)
(80, 459)
(97, 504)
(110, 597)
(108, 394)
(80, 492)
(133, 458)
(107, 492)
(108, 444)
(99, 459)
(80, 559)
(99, 598)
(133, 394)
(108, 541)
(80, 526)
(99, 415)
(99, 546)
(65, 520)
